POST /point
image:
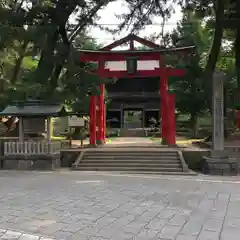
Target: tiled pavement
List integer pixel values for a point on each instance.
(74, 205)
(8, 234)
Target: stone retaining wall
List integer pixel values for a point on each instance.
(30, 162)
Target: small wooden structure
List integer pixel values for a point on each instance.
(79, 124)
(34, 120)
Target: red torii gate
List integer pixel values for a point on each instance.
(131, 61)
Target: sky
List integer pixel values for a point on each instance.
(108, 18)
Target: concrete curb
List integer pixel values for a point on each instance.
(183, 162)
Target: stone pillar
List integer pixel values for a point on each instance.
(21, 130)
(218, 112)
(219, 162)
(92, 127)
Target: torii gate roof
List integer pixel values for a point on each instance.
(154, 48)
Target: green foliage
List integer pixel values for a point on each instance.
(38, 51)
(39, 59)
(29, 63)
(189, 89)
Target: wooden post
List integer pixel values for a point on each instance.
(49, 135)
(70, 137)
(122, 118)
(100, 139)
(21, 130)
(104, 122)
(101, 123)
(92, 139)
(49, 129)
(97, 99)
(143, 118)
(171, 120)
(164, 108)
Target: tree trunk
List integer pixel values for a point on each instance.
(213, 56)
(59, 66)
(64, 56)
(18, 62)
(237, 53)
(46, 63)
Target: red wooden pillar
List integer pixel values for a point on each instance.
(164, 103)
(97, 119)
(101, 109)
(100, 135)
(92, 127)
(171, 120)
(104, 122)
(237, 115)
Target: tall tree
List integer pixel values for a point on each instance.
(42, 30)
(189, 89)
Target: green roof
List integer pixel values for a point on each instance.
(33, 108)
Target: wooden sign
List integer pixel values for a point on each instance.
(74, 121)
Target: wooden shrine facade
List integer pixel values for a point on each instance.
(135, 95)
(132, 64)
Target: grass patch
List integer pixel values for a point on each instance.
(180, 141)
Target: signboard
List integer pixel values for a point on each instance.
(141, 65)
(74, 121)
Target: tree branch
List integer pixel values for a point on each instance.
(86, 19)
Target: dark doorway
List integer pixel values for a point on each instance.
(149, 115)
(114, 119)
(132, 118)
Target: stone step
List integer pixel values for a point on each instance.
(137, 156)
(130, 153)
(149, 146)
(128, 169)
(120, 164)
(129, 159)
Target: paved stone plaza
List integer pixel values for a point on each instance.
(74, 205)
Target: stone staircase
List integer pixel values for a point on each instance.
(148, 160)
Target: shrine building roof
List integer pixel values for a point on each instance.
(34, 108)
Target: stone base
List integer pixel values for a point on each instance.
(31, 162)
(223, 166)
(69, 157)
